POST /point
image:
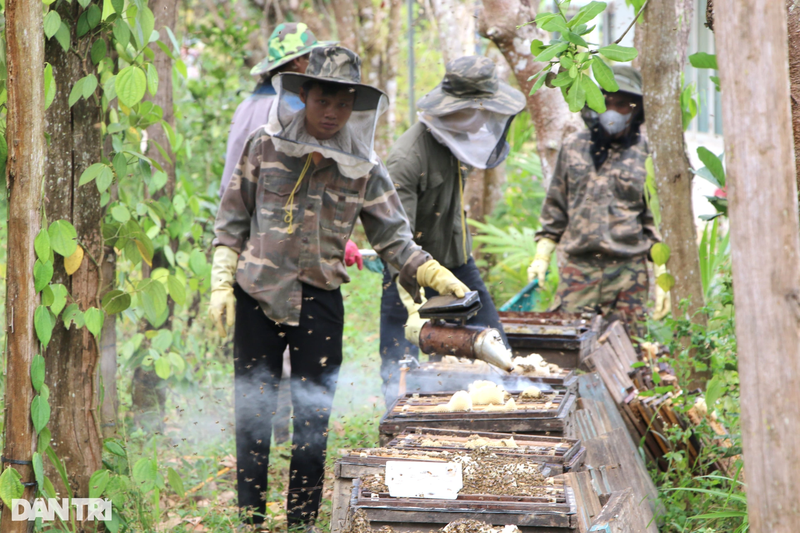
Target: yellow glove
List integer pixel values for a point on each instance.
(432, 274)
(223, 270)
(663, 299)
(541, 261)
(414, 323)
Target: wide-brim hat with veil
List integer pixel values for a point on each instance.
(353, 146)
(471, 82)
(477, 138)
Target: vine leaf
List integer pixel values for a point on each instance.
(43, 324)
(660, 253)
(52, 22)
(63, 36)
(42, 274)
(40, 413)
(63, 237)
(98, 483)
(73, 262)
(666, 281)
(116, 301)
(59, 298)
(37, 372)
(10, 486)
(130, 85)
(94, 320)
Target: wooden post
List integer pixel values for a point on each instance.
(765, 251)
(26, 155)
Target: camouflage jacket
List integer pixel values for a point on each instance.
(602, 211)
(274, 263)
(425, 173)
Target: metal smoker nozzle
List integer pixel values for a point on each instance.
(489, 347)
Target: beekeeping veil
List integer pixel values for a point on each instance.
(352, 146)
(471, 111)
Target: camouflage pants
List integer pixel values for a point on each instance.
(617, 288)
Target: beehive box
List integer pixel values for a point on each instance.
(545, 416)
(560, 338)
(554, 454)
(554, 510)
(438, 376)
(559, 454)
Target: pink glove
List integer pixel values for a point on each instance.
(352, 255)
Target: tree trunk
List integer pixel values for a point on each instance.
(664, 51)
(73, 354)
(793, 23)
(765, 253)
(498, 21)
(345, 13)
(445, 18)
(26, 155)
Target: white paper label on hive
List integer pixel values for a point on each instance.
(417, 479)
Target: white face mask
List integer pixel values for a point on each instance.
(615, 122)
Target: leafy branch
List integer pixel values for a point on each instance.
(575, 59)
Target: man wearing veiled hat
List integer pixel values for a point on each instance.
(463, 124)
(595, 209)
(302, 181)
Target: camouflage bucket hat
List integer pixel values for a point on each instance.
(288, 41)
(628, 78)
(472, 82)
(336, 64)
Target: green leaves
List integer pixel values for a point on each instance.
(63, 237)
(714, 390)
(616, 52)
(604, 75)
(594, 98)
(153, 299)
(98, 51)
(551, 51)
(587, 13)
(42, 274)
(175, 482)
(10, 486)
(52, 22)
(152, 79)
(116, 301)
(63, 36)
(84, 87)
(40, 413)
(145, 472)
(91, 173)
(49, 86)
(576, 96)
(98, 483)
(37, 372)
(130, 85)
(177, 290)
(163, 368)
(94, 320)
(43, 323)
(660, 253)
(703, 60)
(666, 281)
(59, 298)
(714, 166)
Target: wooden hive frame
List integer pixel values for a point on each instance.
(527, 421)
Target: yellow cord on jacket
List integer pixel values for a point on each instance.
(289, 204)
(463, 221)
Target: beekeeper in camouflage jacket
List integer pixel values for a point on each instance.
(595, 210)
(462, 126)
(301, 183)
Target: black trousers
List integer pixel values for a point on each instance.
(394, 315)
(316, 355)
